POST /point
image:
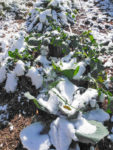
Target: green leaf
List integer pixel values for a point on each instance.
(76, 70)
(109, 111)
(100, 79)
(68, 73)
(30, 97)
(53, 84)
(56, 67)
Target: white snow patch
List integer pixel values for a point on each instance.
(80, 101)
(36, 78)
(110, 137)
(102, 97)
(112, 119)
(62, 133)
(3, 108)
(67, 89)
(18, 44)
(43, 60)
(2, 73)
(52, 105)
(20, 68)
(67, 65)
(97, 115)
(84, 127)
(68, 57)
(32, 139)
(82, 69)
(11, 82)
(109, 63)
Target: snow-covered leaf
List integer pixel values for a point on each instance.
(94, 138)
(32, 139)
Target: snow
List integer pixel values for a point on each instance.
(62, 137)
(67, 58)
(97, 115)
(19, 43)
(67, 89)
(36, 78)
(3, 108)
(109, 62)
(63, 131)
(52, 105)
(67, 65)
(3, 116)
(32, 139)
(82, 69)
(11, 82)
(102, 97)
(20, 68)
(43, 60)
(111, 118)
(110, 137)
(92, 148)
(84, 127)
(2, 73)
(93, 103)
(80, 100)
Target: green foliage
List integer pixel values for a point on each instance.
(15, 54)
(69, 73)
(30, 97)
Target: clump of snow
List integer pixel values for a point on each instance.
(97, 115)
(2, 73)
(62, 133)
(92, 148)
(67, 58)
(102, 97)
(18, 43)
(81, 100)
(55, 9)
(110, 137)
(20, 68)
(82, 69)
(3, 108)
(32, 139)
(84, 127)
(52, 105)
(67, 89)
(67, 65)
(11, 82)
(36, 77)
(4, 115)
(93, 103)
(43, 60)
(109, 63)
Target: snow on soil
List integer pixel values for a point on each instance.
(12, 36)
